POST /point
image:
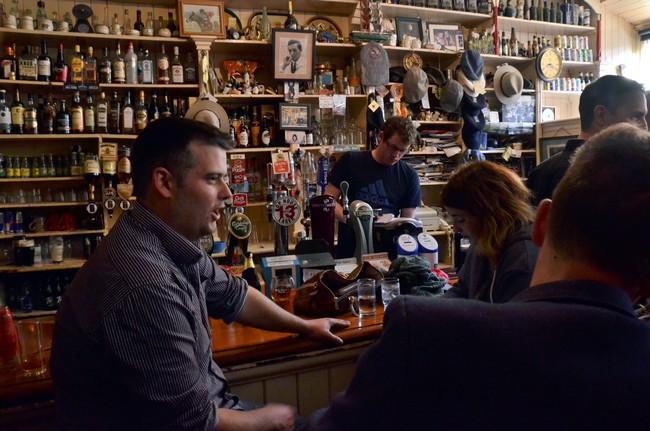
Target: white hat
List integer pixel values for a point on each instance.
(210, 112)
(508, 84)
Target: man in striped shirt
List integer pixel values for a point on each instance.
(132, 347)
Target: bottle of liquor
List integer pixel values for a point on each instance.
(165, 108)
(266, 132)
(60, 68)
(76, 168)
(552, 15)
(139, 25)
(30, 122)
(127, 115)
(149, 25)
(119, 68)
(160, 25)
(27, 65)
(105, 68)
(147, 68)
(180, 110)
(9, 65)
(76, 114)
(115, 115)
(513, 49)
(17, 114)
(131, 65)
(546, 15)
(89, 114)
(63, 122)
(44, 64)
(47, 117)
(5, 114)
(139, 55)
(102, 113)
(90, 67)
(504, 45)
(249, 273)
(127, 21)
(141, 113)
(153, 113)
(77, 66)
(566, 14)
(540, 11)
(162, 66)
(526, 10)
(256, 129)
(170, 24)
(124, 164)
(177, 68)
(189, 69)
(291, 22)
(243, 133)
(533, 10)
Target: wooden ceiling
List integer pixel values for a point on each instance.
(636, 12)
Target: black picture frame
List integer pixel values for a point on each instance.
(552, 146)
(294, 116)
(288, 41)
(409, 27)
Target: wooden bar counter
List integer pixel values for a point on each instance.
(261, 366)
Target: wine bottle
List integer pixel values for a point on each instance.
(89, 114)
(105, 68)
(291, 22)
(249, 274)
(44, 64)
(30, 122)
(127, 115)
(139, 25)
(17, 114)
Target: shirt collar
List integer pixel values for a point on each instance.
(573, 144)
(585, 292)
(180, 249)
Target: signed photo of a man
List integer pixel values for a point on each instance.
(293, 54)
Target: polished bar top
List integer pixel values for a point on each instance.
(232, 345)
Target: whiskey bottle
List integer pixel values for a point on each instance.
(76, 114)
(30, 122)
(77, 66)
(63, 119)
(177, 68)
(189, 69)
(17, 114)
(141, 114)
(90, 67)
(105, 68)
(89, 114)
(162, 66)
(119, 69)
(102, 111)
(46, 117)
(127, 115)
(27, 65)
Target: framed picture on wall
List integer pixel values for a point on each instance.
(294, 116)
(294, 54)
(445, 37)
(408, 27)
(201, 17)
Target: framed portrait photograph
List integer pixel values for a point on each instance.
(408, 27)
(295, 137)
(294, 116)
(294, 54)
(201, 17)
(445, 37)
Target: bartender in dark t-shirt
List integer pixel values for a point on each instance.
(378, 177)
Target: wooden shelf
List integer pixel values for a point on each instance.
(42, 205)
(34, 37)
(39, 179)
(435, 15)
(54, 233)
(66, 264)
(329, 7)
(544, 28)
(71, 136)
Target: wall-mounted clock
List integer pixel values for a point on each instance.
(549, 64)
(82, 12)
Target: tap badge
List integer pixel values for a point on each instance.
(239, 226)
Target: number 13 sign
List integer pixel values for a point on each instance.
(286, 211)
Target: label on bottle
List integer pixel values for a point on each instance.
(102, 115)
(141, 119)
(91, 73)
(60, 72)
(7, 68)
(266, 137)
(124, 165)
(147, 72)
(105, 74)
(128, 118)
(27, 69)
(119, 72)
(63, 124)
(91, 166)
(177, 74)
(243, 138)
(44, 67)
(89, 119)
(109, 167)
(17, 115)
(77, 119)
(76, 69)
(190, 75)
(30, 120)
(5, 120)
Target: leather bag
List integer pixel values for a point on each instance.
(328, 293)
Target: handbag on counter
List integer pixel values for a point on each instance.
(328, 293)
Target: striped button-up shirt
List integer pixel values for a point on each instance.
(132, 347)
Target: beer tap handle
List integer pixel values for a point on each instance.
(270, 189)
(345, 186)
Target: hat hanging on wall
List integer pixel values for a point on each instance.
(451, 95)
(209, 111)
(415, 84)
(508, 84)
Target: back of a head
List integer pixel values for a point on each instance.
(403, 127)
(165, 143)
(610, 91)
(601, 208)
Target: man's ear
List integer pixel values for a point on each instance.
(162, 182)
(541, 218)
(601, 117)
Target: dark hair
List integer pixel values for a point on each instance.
(295, 42)
(601, 207)
(165, 143)
(496, 196)
(402, 127)
(610, 91)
